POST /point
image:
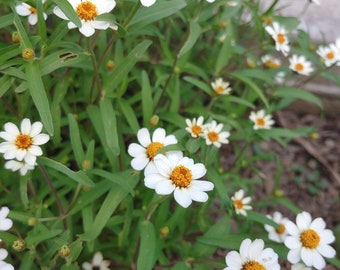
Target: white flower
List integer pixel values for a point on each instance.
(241, 203)
(5, 223)
(144, 153)
(87, 12)
(300, 266)
(279, 35)
(24, 9)
(20, 166)
(277, 234)
(3, 264)
(179, 175)
(195, 127)
(261, 120)
(252, 255)
(309, 241)
(97, 263)
(213, 134)
(221, 87)
(280, 77)
(270, 62)
(147, 3)
(329, 54)
(300, 64)
(23, 144)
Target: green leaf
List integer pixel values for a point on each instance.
(129, 114)
(147, 249)
(41, 21)
(194, 33)
(35, 238)
(121, 70)
(24, 40)
(288, 204)
(201, 85)
(69, 12)
(6, 20)
(80, 177)
(27, 261)
(9, 52)
(76, 141)
(147, 103)
(261, 219)
(224, 54)
(297, 93)
(5, 84)
(38, 94)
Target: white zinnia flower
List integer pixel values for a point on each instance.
(213, 134)
(24, 9)
(221, 87)
(279, 35)
(261, 120)
(20, 166)
(300, 266)
(300, 64)
(144, 153)
(23, 144)
(329, 54)
(277, 234)
(252, 255)
(270, 62)
(87, 12)
(97, 263)
(195, 127)
(309, 241)
(147, 3)
(5, 223)
(3, 264)
(241, 203)
(179, 175)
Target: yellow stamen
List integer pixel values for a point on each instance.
(310, 239)
(197, 130)
(33, 10)
(253, 265)
(218, 90)
(23, 141)
(280, 230)
(281, 38)
(238, 204)
(299, 67)
(181, 176)
(87, 11)
(260, 122)
(330, 55)
(152, 149)
(213, 136)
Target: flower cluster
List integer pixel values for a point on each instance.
(22, 147)
(5, 225)
(330, 54)
(168, 172)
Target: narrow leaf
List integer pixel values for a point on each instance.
(129, 114)
(147, 249)
(76, 141)
(194, 33)
(69, 12)
(147, 103)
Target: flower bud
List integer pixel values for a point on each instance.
(32, 221)
(28, 54)
(110, 65)
(164, 231)
(15, 37)
(19, 245)
(86, 164)
(278, 193)
(154, 120)
(64, 251)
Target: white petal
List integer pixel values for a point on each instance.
(326, 236)
(7, 136)
(294, 256)
(25, 126)
(182, 197)
(150, 169)
(36, 128)
(23, 9)
(143, 136)
(152, 180)
(6, 224)
(326, 251)
(198, 170)
(303, 221)
(106, 6)
(102, 25)
(202, 185)
(12, 129)
(147, 3)
(307, 256)
(41, 139)
(20, 154)
(3, 254)
(292, 229)
(163, 165)
(292, 242)
(158, 135)
(33, 19)
(198, 196)
(170, 139)
(136, 150)
(318, 261)
(86, 29)
(4, 211)
(97, 259)
(165, 187)
(35, 150)
(233, 260)
(139, 163)
(30, 159)
(256, 248)
(57, 11)
(71, 25)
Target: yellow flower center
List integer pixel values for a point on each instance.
(330, 55)
(219, 89)
(33, 10)
(299, 67)
(280, 230)
(281, 38)
(213, 136)
(87, 11)
(197, 130)
(181, 176)
(253, 265)
(310, 239)
(238, 204)
(260, 122)
(271, 64)
(152, 149)
(23, 141)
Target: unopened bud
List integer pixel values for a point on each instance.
(251, 63)
(19, 245)
(64, 251)
(15, 37)
(223, 24)
(110, 65)
(32, 221)
(28, 54)
(278, 193)
(86, 164)
(154, 120)
(164, 231)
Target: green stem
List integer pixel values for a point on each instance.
(96, 79)
(131, 15)
(157, 200)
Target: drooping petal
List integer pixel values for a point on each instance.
(86, 29)
(294, 256)
(33, 19)
(30, 159)
(182, 197)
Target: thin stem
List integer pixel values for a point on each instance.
(131, 15)
(75, 196)
(54, 193)
(153, 206)
(96, 78)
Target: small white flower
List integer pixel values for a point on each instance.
(23, 144)
(252, 255)
(87, 12)
(5, 223)
(179, 175)
(280, 77)
(24, 9)
(214, 135)
(279, 35)
(221, 87)
(241, 203)
(3, 264)
(147, 3)
(300, 266)
(144, 153)
(97, 263)
(277, 234)
(270, 62)
(300, 64)
(329, 54)
(309, 241)
(261, 120)
(20, 166)
(195, 127)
